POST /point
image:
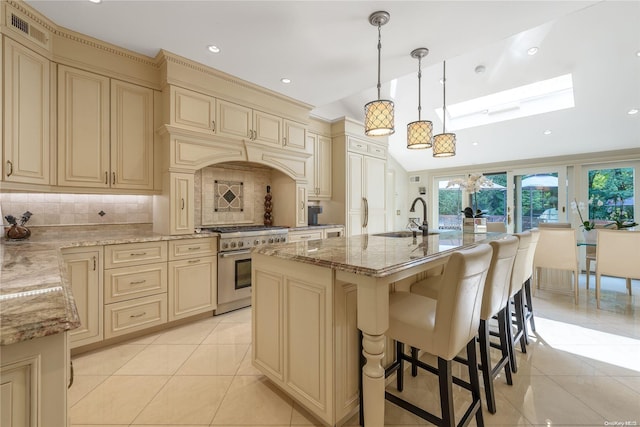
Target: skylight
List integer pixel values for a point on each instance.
(524, 101)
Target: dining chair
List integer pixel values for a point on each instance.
(443, 327)
(617, 255)
(590, 256)
(557, 249)
(495, 300)
(497, 227)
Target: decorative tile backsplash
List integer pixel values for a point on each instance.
(78, 209)
(253, 179)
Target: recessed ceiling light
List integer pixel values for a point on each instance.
(474, 143)
(532, 51)
(632, 111)
(95, 1)
(547, 132)
(480, 69)
(213, 49)
(638, 53)
(285, 80)
(441, 81)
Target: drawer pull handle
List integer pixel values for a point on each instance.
(137, 282)
(10, 167)
(193, 261)
(114, 178)
(137, 253)
(134, 316)
(193, 248)
(106, 178)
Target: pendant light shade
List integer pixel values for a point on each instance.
(379, 114)
(420, 132)
(444, 144)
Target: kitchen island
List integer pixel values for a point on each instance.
(309, 300)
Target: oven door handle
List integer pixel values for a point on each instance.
(228, 254)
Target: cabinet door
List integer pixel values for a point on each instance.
(27, 109)
(374, 189)
(182, 204)
(311, 166)
(355, 195)
(233, 119)
(84, 274)
(323, 167)
(294, 135)
(301, 202)
(192, 109)
(192, 287)
(267, 128)
(131, 136)
(83, 128)
(18, 396)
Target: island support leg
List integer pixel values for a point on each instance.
(373, 321)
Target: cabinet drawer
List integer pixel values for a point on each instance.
(307, 235)
(134, 254)
(377, 151)
(134, 282)
(192, 248)
(358, 146)
(123, 317)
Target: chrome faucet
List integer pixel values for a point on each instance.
(425, 225)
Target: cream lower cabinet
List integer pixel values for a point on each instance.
(27, 116)
(192, 277)
(292, 331)
(84, 272)
(135, 291)
(33, 382)
(181, 203)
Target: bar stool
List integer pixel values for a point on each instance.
(515, 295)
(494, 304)
(528, 273)
(443, 328)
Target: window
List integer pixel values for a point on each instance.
(611, 194)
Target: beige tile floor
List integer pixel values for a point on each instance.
(582, 368)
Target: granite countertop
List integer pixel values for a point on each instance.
(375, 256)
(35, 297)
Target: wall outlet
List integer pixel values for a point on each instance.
(398, 212)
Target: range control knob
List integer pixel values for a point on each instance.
(240, 244)
(233, 244)
(270, 240)
(225, 245)
(256, 242)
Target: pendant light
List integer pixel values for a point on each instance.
(420, 132)
(444, 144)
(378, 115)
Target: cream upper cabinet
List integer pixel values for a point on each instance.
(320, 167)
(239, 121)
(182, 203)
(301, 203)
(131, 136)
(295, 135)
(84, 272)
(27, 115)
(234, 120)
(83, 128)
(192, 109)
(105, 132)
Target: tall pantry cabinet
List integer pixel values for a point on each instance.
(359, 165)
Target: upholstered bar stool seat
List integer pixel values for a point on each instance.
(443, 327)
(495, 301)
(516, 295)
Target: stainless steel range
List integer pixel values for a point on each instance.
(234, 261)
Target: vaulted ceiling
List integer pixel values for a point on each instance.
(328, 50)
